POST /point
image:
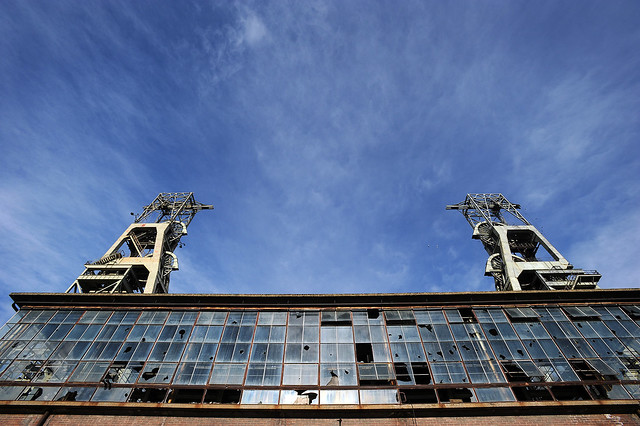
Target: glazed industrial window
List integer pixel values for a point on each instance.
(336, 318)
(460, 315)
(632, 311)
(50, 345)
(376, 375)
(521, 371)
(521, 314)
(581, 312)
(399, 317)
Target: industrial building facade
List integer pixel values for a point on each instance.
(288, 356)
(548, 347)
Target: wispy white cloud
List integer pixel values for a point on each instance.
(329, 135)
(611, 249)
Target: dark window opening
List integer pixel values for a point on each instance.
(632, 311)
(401, 322)
(421, 373)
(364, 352)
(531, 280)
(586, 372)
(418, 396)
(570, 393)
(373, 313)
(375, 382)
(532, 393)
(185, 396)
(222, 396)
(524, 372)
(402, 373)
(601, 391)
(526, 245)
(467, 315)
(456, 395)
(75, 394)
(148, 395)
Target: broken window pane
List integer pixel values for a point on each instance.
(206, 334)
(456, 395)
(338, 375)
(185, 396)
(55, 371)
(532, 393)
(299, 397)
(148, 395)
(222, 396)
(74, 394)
(448, 372)
(521, 371)
(336, 318)
(376, 375)
(36, 393)
(399, 317)
(155, 372)
(302, 353)
(418, 396)
(570, 393)
(122, 372)
(556, 370)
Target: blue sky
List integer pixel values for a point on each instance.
(328, 135)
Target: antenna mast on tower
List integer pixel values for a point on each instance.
(520, 257)
(141, 260)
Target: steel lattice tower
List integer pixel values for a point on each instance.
(141, 260)
(520, 257)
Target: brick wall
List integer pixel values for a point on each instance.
(103, 420)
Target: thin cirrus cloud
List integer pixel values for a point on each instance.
(328, 135)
